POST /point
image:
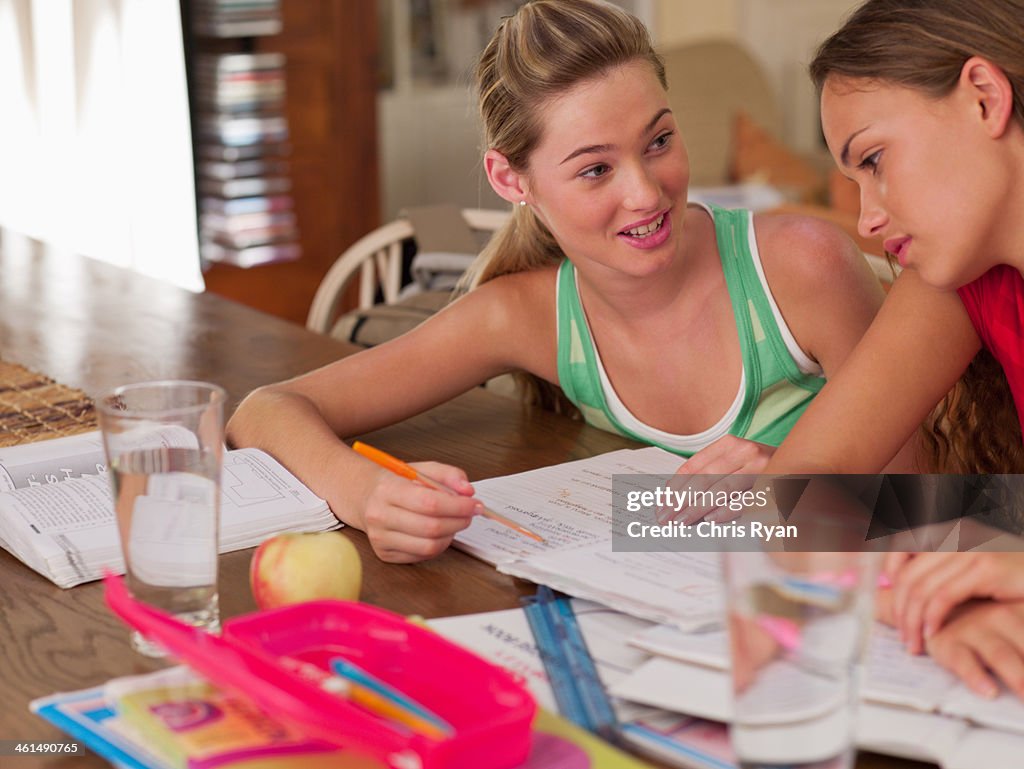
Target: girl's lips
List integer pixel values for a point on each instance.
(625, 230)
(898, 248)
(651, 240)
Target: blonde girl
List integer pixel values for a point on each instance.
(671, 323)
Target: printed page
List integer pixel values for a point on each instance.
(894, 676)
(681, 588)
(891, 675)
(67, 531)
(61, 459)
(44, 462)
(568, 504)
(260, 497)
(1005, 711)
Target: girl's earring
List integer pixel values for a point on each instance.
(522, 203)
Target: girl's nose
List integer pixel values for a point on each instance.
(872, 216)
(643, 191)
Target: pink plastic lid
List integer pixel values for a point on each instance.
(489, 709)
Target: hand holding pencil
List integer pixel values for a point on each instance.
(400, 468)
(405, 521)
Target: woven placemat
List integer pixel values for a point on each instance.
(33, 407)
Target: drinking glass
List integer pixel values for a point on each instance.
(164, 443)
(798, 625)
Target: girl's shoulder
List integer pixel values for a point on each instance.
(804, 250)
(520, 298)
(530, 286)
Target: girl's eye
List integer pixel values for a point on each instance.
(870, 163)
(661, 140)
(595, 172)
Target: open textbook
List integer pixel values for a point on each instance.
(57, 511)
(910, 706)
(570, 505)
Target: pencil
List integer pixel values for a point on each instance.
(397, 466)
(373, 699)
(350, 671)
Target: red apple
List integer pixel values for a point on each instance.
(291, 568)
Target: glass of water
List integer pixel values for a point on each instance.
(798, 625)
(164, 443)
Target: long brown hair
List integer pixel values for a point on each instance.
(540, 52)
(923, 45)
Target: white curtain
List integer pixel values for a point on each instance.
(95, 145)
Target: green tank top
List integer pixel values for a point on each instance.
(775, 391)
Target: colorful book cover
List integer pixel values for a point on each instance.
(171, 719)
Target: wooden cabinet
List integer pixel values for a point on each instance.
(331, 80)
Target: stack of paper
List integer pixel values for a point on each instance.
(570, 505)
(671, 694)
(57, 511)
(910, 706)
(504, 637)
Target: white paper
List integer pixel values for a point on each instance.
(685, 588)
(568, 504)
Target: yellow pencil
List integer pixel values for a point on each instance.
(397, 466)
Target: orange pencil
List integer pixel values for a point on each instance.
(398, 467)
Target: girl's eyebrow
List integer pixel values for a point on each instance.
(844, 156)
(598, 148)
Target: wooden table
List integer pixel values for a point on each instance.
(92, 326)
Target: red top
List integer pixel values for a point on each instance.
(995, 304)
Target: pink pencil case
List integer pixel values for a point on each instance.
(490, 710)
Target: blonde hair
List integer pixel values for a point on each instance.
(923, 45)
(543, 50)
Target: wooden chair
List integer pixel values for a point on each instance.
(377, 259)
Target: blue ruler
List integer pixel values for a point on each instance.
(580, 695)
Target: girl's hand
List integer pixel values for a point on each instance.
(727, 456)
(407, 521)
(928, 586)
(983, 641)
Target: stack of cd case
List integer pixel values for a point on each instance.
(246, 215)
(236, 18)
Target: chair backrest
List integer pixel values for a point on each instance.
(377, 258)
(708, 83)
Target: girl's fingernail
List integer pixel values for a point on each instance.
(478, 509)
(929, 631)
